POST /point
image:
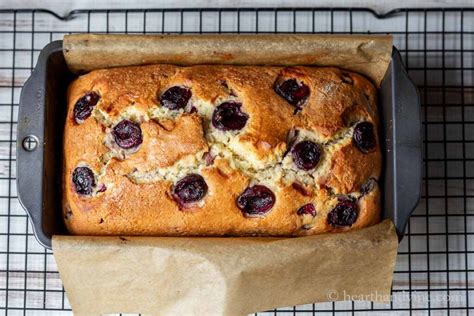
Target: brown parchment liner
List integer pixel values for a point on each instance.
(226, 276)
(365, 54)
(223, 276)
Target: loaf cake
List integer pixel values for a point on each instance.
(215, 150)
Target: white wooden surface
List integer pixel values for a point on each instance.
(62, 7)
(35, 270)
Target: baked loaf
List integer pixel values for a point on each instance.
(220, 151)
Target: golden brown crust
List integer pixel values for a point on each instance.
(351, 168)
(164, 143)
(133, 187)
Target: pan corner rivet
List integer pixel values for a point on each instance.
(30, 142)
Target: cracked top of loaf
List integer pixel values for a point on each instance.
(220, 150)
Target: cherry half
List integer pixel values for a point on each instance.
(364, 137)
(83, 180)
(229, 117)
(175, 98)
(296, 93)
(343, 214)
(127, 134)
(308, 209)
(368, 186)
(192, 188)
(306, 154)
(256, 201)
(84, 106)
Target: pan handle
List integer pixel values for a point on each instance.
(31, 146)
(406, 144)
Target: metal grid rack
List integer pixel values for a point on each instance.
(435, 265)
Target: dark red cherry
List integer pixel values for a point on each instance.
(364, 137)
(256, 200)
(127, 134)
(175, 98)
(306, 154)
(84, 106)
(368, 186)
(228, 117)
(191, 188)
(296, 93)
(83, 180)
(344, 214)
(307, 209)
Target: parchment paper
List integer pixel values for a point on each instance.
(365, 54)
(223, 276)
(226, 276)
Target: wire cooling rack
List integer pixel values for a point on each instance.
(435, 264)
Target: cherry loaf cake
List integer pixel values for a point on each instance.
(221, 151)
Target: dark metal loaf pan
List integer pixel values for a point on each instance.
(43, 110)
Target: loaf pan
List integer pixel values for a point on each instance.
(42, 115)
